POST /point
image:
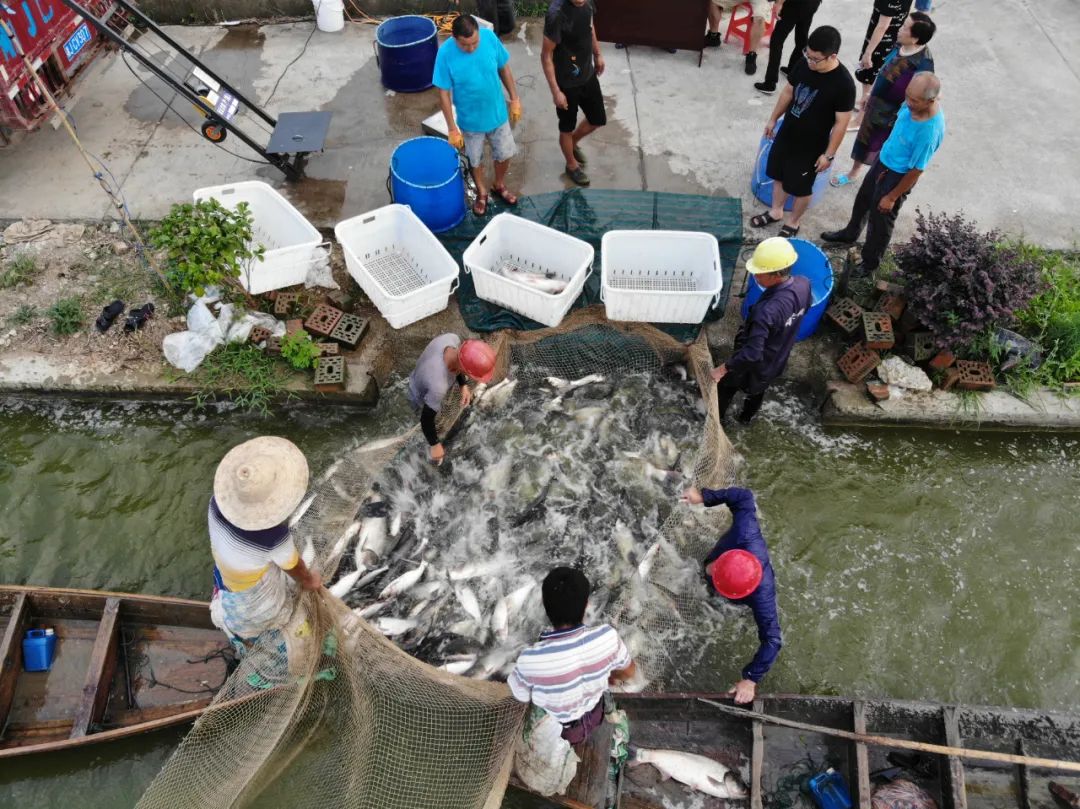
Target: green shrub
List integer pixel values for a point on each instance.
(241, 372)
(206, 244)
(1052, 318)
(18, 270)
(66, 316)
(24, 315)
(299, 350)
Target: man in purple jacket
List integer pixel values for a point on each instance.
(764, 340)
(739, 569)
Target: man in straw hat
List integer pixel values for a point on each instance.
(446, 360)
(738, 568)
(765, 339)
(257, 486)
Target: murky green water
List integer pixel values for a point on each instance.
(910, 564)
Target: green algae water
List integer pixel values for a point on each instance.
(910, 564)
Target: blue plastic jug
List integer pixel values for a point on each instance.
(38, 646)
(830, 791)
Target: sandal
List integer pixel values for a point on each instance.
(763, 220)
(788, 232)
(839, 180)
(479, 207)
(504, 194)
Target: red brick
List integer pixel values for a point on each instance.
(949, 378)
(323, 320)
(293, 326)
(892, 305)
(857, 362)
(846, 314)
(878, 391)
(258, 334)
(920, 344)
(877, 328)
(888, 288)
(975, 375)
(942, 360)
(285, 301)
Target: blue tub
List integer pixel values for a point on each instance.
(406, 48)
(761, 185)
(425, 174)
(812, 264)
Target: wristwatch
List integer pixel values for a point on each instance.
(830, 157)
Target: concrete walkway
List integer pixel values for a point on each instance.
(1009, 160)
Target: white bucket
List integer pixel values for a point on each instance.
(329, 15)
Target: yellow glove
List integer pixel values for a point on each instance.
(515, 111)
(457, 140)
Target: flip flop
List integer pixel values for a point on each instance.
(479, 207)
(503, 193)
(839, 180)
(763, 220)
(788, 232)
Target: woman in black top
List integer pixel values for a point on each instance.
(885, 22)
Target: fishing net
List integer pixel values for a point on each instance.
(328, 712)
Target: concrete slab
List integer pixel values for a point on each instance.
(673, 126)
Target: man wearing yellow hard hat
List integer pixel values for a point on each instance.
(764, 340)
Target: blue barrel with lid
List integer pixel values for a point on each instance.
(38, 646)
(425, 174)
(762, 185)
(405, 48)
(812, 264)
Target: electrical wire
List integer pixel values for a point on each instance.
(303, 50)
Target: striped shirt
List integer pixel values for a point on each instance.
(566, 672)
(242, 557)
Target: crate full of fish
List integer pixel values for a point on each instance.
(659, 276)
(398, 263)
(528, 268)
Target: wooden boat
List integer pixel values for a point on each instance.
(771, 759)
(124, 664)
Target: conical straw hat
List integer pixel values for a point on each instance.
(259, 483)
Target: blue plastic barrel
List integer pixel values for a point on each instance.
(406, 48)
(761, 185)
(38, 647)
(812, 264)
(425, 174)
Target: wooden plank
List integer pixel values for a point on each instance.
(60, 602)
(956, 796)
(589, 787)
(862, 757)
(757, 758)
(11, 654)
(100, 672)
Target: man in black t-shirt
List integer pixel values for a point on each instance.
(816, 106)
(572, 63)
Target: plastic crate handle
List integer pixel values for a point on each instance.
(227, 192)
(455, 284)
(375, 47)
(716, 297)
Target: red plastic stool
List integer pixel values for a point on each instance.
(741, 21)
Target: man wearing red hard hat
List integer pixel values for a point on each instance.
(446, 360)
(738, 568)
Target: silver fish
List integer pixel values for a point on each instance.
(301, 510)
(459, 664)
(645, 566)
(329, 473)
(564, 387)
(494, 662)
(697, 772)
(468, 601)
(369, 577)
(345, 584)
(403, 582)
(371, 610)
(497, 394)
(428, 589)
(589, 416)
(475, 570)
(308, 555)
(345, 539)
(392, 627)
(552, 286)
(508, 606)
(395, 524)
(374, 543)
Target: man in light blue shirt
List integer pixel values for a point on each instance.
(916, 136)
(471, 69)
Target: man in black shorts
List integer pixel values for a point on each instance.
(816, 105)
(572, 63)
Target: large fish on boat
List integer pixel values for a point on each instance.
(697, 772)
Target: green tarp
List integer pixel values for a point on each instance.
(588, 214)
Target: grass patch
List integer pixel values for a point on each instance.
(18, 270)
(24, 315)
(240, 372)
(1052, 319)
(66, 316)
(120, 281)
(527, 8)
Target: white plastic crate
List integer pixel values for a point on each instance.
(512, 243)
(659, 276)
(398, 263)
(292, 243)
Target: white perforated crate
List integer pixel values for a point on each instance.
(292, 243)
(510, 242)
(398, 263)
(659, 276)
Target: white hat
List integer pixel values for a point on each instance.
(259, 483)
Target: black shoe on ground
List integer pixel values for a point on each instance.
(860, 270)
(751, 63)
(137, 318)
(578, 175)
(785, 70)
(108, 315)
(766, 87)
(712, 39)
(837, 237)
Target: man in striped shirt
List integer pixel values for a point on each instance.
(567, 671)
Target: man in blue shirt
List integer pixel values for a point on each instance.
(471, 69)
(738, 568)
(916, 136)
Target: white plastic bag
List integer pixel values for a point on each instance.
(319, 274)
(543, 760)
(186, 349)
